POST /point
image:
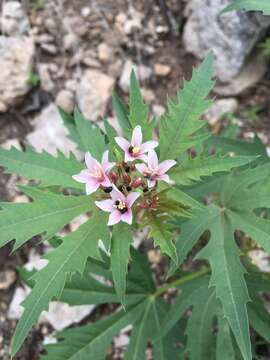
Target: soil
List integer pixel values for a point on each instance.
(146, 47)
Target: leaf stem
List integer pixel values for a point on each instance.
(181, 281)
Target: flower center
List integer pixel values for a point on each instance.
(97, 173)
(121, 206)
(134, 150)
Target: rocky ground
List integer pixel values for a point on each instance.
(66, 53)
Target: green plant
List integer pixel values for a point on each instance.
(33, 79)
(138, 193)
(249, 5)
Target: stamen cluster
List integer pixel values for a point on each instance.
(124, 177)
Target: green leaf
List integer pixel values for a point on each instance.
(48, 213)
(138, 111)
(121, 114)
(162, 235)
(249, 5)
(191, 170)
(90, 135)
(91, 342)
(228, 280)
(121, 241)
(49, 170)
(179, 127)
(200, 343)
(69, 123)
(64, 261)
(259, 317)
(225, 348)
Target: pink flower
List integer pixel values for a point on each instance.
(119, 206)
(96, 174)
(135, 149)
(154, 171)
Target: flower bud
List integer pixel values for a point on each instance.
(126, 178)
(136, 183)
(113, 177)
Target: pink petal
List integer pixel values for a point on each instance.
(122, 142)
(165, 166)
(136, 139)
(165, 178)
(131, 198)
(127, 217)
(106, 182)
(91, 186)
(89, 160)
(82, 177)
(141, 168)
(151, 183)
(128, 157)
(117, 195)
(142, 157)
(152, 159)
(148, 145)
(114, 218)
(105, 205)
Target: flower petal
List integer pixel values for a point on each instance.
(122, 142)
(91, 186)
(141, 168)
(136, 139)
(148, 145)
(131, 198)
(105, 205)
(151, 183)
(82, 177)
(164, 166)
(106, 182)
(114, 218)
(165, 178)
(117, 195)
(127, 217)
(152, 159)
(105, 157)
(128, 157)
(89, 160)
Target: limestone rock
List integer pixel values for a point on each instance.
(219, 108)
(50, 133)
(65, 100)
(16, 61)
(93, 93)
(231, 36)
(14, 19)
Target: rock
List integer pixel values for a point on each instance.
(71, 85)
(70, 41)
(231, 36)
(49, 48)
(142, 72)
(253, 71)
(121, 341)
(148, 95)
(3, 107)
(44, 39)
(50, 133)
(219, 108)
(16, 61)
(162, 70)
(7, 278)
(8, 144)
(15, 309)
(260, 259)
(158, 110)
(66, 100)
(86, 11)
(61, 315)
(93, 93)
(45, 77)
(104, 52)
(14, 19)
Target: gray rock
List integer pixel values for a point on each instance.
(219, 108)
(66, 100)
(93, 93)
(14, 19)
(16, 61)
(231, 36)
(50, 133)
(45, 77)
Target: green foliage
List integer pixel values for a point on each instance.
(47, 169)
(179, 128)
(249, 5)
(33, 79)
(202, 215)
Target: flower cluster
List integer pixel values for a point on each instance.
(119, 184)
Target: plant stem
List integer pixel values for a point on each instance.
(181, 281)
